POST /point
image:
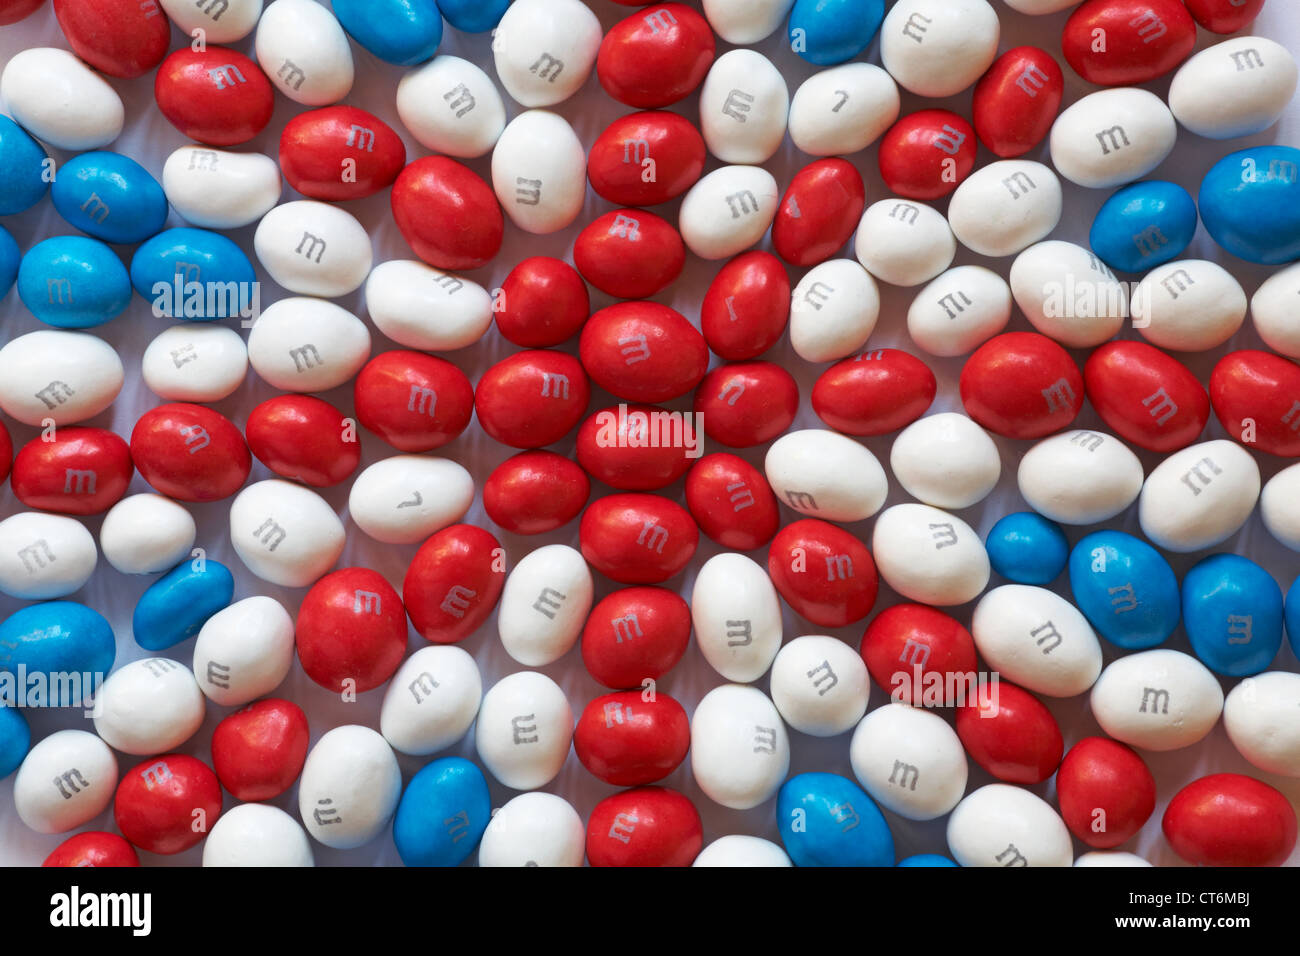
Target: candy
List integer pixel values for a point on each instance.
(819, 212)
(1199, 497)
(307, 345)
(415, 402)
(16, 10)
(544, 604)
(220, 24)
(305, 439)
(728, 211)
(506, 398)
(743, 22)
(523, 730)
(740, 850)
(645, 826)
(647, 158)
(1257, 716)
(48, 803)
(1191, 305)
(1105, 791)
(73, 283)
(339, 153)
(404, 32)
(15, 740)
(637, 538)
(834, 311)
(123, 38)
(452, 107)
(473, 16)
(938, 48)
(195, 274)
(635, 634)
(545, 49)
(740, 751)
(1011, 735)
(60, 101)
(1006, 207)
(824, 573)
(737, 617)
(332, 254)
(447, 214)
(1270, 311)
(819, 685)
(747, 306)
(1247, 202)
(904, 243)
(629, 254)
(149, 706)
(537, 172)
(305, 53)
(721, 490)
(1140, 135)
(1140, 41)
(1036, 638)
(444, 803)
(827, 820)
(254, 834)
(166, 805)
(1080, 477)
(897, 741)
(1144, 225)
(826, 475)
(1224, 16)
(349, 788)
(44, 556)
(431, 701)
(216, 189)
(1002, 825)
(843, 110)
(1146, 396)
(927, 860)
(642, 351)
(243, 652)
(80, 471)
(1249, 390)
(1125, 588)
(935, 652)
(744, 104)
(1021, 385)
(351, 631)
(190, 452)
(912, 543)
(946, 460)
(453, 583)
(216, 95)
(1228, 819)
(832, 31)
(874, 393)
(616, 445)
(1028, 549)
(533, 829)
(26, 162)
(1232, 609)
(627, 740)
(1017, 100)
(176, 606)
(656, 56)
(1277, 508)
(93, 848)
(423, 308)
(109, 196)
(57, 637)
(10, 256)
(1254, 74)
(543, 302)
(1157, 700)
(926, 154)
(533, 492)
(284, 533)
(1068, 295)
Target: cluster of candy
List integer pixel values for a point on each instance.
(350, 633)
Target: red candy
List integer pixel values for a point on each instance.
(447, 214)
(1218, 16)
(351, 630)
(1228, 819)
(340, 152)
(1011, 735)
(304, 438)
(647, 826)
(532, 398)
(824, 573)
(413, 401)
(1146, 396)
(643, 352)
(630, 254)
(216, 96)
(819, 212)
(747, 403)
(6, 452)
(636, 538)
(93, 848)
(914, 652)
(167, 804)
(635, 634)
(747, 307)
(190, 453)
(926, 155)
(453, 583)
(83, 471)
(543, 303)
(1260, 388)
(259, 750)
(11, 11)
(1017, 100)
(623, 446)
(1127, 42)
(125, 38)
(656, 56)
(874, 393)
(1021, 385)
(1105, 791)
(643, 159)
(627, 740)
(535, 492)
(732, 502)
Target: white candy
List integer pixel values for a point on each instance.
(60, 100)
(539, 171)
(742, 22)
(350, 786)
(285, 533)
(728, 211)
(1192, 305)
(1036, 8)
(1273, 313)
(1199, 497)
(314, 248)
(66, 376)
(1002, 825)
(1235, 88)
(304, 52)
(215, 189)
(820, 685)
(534, 829)
(744, 104)
(195, 362)
(545, 49)
(422, 308)
(843, 110)
(451, 107)
(1068, 294)
(544, 605)
(1279, 506)
(1259, 716)
(256, 834)
(223, 22)
(406, 498)
(1080, 477)
(740, 752)
(146, 534)
(1157, 700)
(904, 243)
(524, 729)
(833, 311)
(148, 707)
(1110, 858)
(929, 555)
(826, 475)
(946, 460)
(1112, 137)
(737, 617)
(44, 556)
(307, 345)
(67, 779)
(959, 311)
(1005, 207)
(431, 700)
(1037, 639)
(244, 651)
(738, 850)
(909, 760)
(939, 47)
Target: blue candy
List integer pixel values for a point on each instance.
(193, 274)
(1293, 616)
(828, 820)
(10, 256)
(15, 739)
(23, 179)
(1250, 203)
(442, 814)
(404, 32)
(57, 637)
(833, 31)
(73, 282)
(926, 859)
(473, 16)
(177, 605)
(109, 196)
(1027, 548)
(1232, 609)
(1144, 225)
(1125, 588)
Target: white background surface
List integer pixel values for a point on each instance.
(149, 138)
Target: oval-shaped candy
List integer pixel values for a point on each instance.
(149, 706)
(1199, 497)
(826, 475)
(431, 701)
(197, 275)
(1271, 311)
(421, 308)
(544, 50)
(537, 172)
(25, 160)
(737, 617)
(926, 154)
(244, 652)
(1016, 101)
(447, 214)
(629, 254)
(177, 605)
(453, 583)
(123, 38)
(1140, 41)
(93, 848)
(1112, 137)
(1257, 716)
(635, 633)
(744, 104)
(60, 101)
(340, 152)
(637, 538)
(643, 352)
(1277, 507)
(728, 211)
(832, 31)
(747, 306)
(415, 402)
(80, 471)
(919, 655)
(834, 311)
(305, 439)
(820, 685)
(1026, 548)
(44, 556)
(523, 730)
(49, 804)
(874, 393)
(1252, 393)
(721, 490)
(216, 189)
(1157, 700)
(1036, 638)
(1105, 791)
(1125, 588)
(254, 834)
(544, 605)
(909, 760)
(740, 751)
(216, 95)
(740, 850)
(313, 248)
(1191, 305)
(543, 302)
(626, 740)
(1144, 225)
(656, 56)
(904, 243)
(843, 110)
(929, 555)
(1068, 295)
(1079, 477)
(1145, 395)
(1224, 16)
(1229, 819)
(285, 533)
(819, 212)
(1005, 207)
(1254, 74)
(743, 22)
(350, 787)
(507, 397)
(1022, 385)
(1247, 203)
(351, 630)
(451, 106)
(190, 452)
(72, 282)
(1232, 609)
(646, 158)
(304, 344)
(825, 574)
(938, 48)
(1002, 825)
(473, 16)
(534, 492)
(946, 460)
(220, 23)
(533, 829)
(644, 826)
(109, 196)
(827, 820)
(1012, 736)
(305, 52)
(404, 32)
(58, 637)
